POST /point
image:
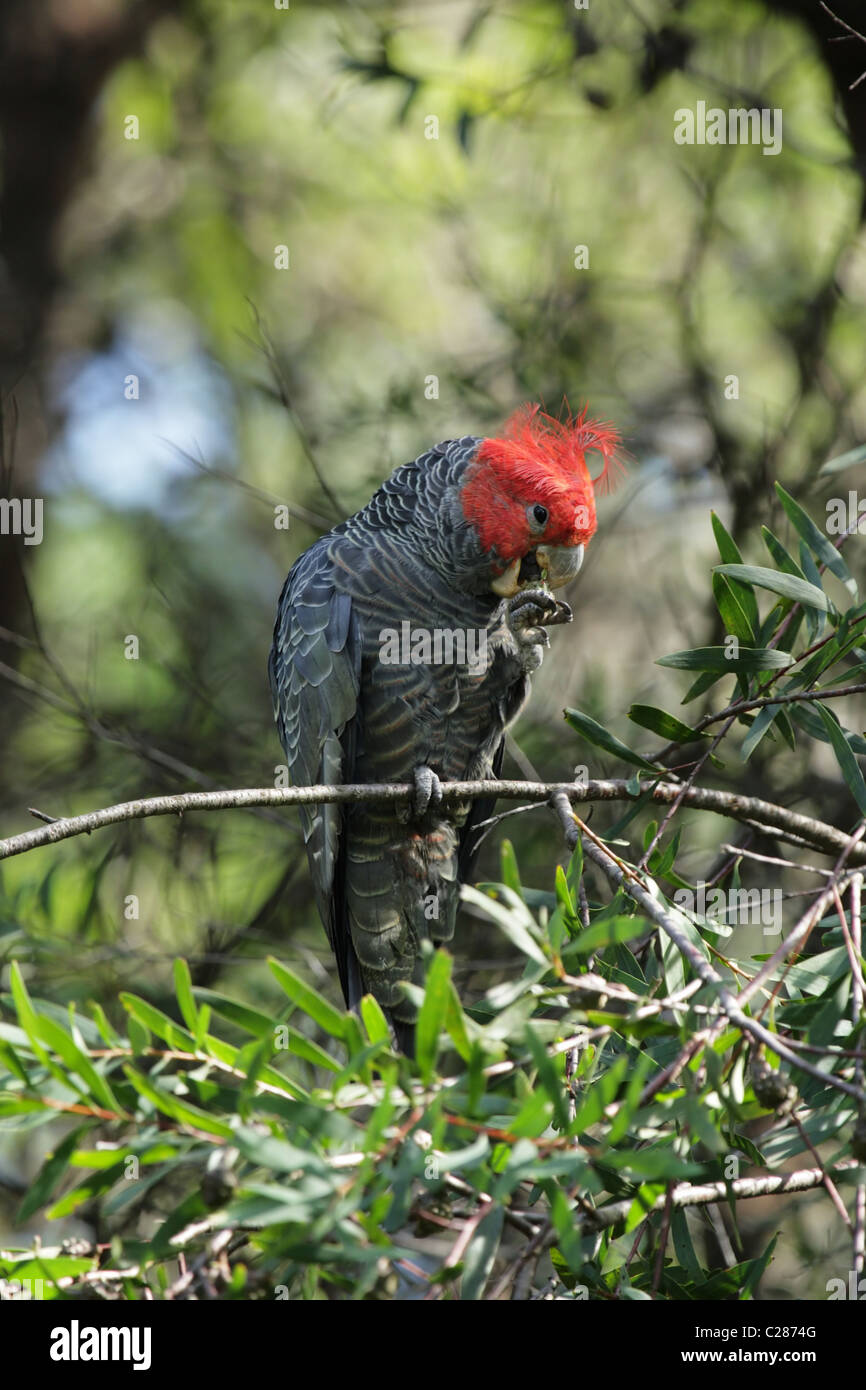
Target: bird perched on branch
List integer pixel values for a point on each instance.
(403, 647)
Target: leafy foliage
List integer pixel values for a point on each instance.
(223, 1126)
(547, 1125)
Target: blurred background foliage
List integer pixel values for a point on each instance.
(409, 258)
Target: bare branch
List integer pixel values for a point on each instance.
(748, 809)
(706, 1194)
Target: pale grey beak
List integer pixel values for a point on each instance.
(561, 562)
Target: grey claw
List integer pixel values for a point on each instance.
(428, 792)
(532, 610)
(533, 606)
(563, 614)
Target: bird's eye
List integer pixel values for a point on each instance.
(538, 516)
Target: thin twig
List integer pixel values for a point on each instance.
(605, 861)
(797, 938)
(741, 852)
(859, 1234)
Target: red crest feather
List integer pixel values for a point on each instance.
(534, 444)
(540, 458)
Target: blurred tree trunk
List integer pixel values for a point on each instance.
(54, 59)
(845, 59)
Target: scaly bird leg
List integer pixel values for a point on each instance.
(427, 796)
(529, 613)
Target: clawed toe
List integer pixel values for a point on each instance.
(428, 792)
(532, 610)
(531, 606)
(563, 614)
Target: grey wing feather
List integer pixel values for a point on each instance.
(482, 810)
(314, 672)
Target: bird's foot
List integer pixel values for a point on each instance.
(530, 612)
(426, 797)
(532, 608)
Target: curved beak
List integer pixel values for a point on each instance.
(561, 562)
(558, 564)
(508, 582)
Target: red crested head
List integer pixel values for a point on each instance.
(532, 487)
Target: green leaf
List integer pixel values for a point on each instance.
(732, 612)
(308, 1000)
(472, 1156)
(814, 620)
(183, 989)
(49, 1175)
(641, 1066)
(93, 1186)
(299, 1045)
(717, 659)
(574, 872)
(432, 1014)
(77, 1061)
(803, 715)
(843, 461)
(178, 1110)
(663, 859)
(817, 541)
(267, 1151)
(844, 756)
(13, 1063)
(815, 974)
(534, 1116)
(510, 872)
(683, 1248)
(704, 682)
(786, 728)
(178, 1039)
(374, 1020)
(549, 1078)
(41, 1267)
(730, 555)
(612, 932)
(595, 733)
(598, 1095)
(760, 727)
(516, 924)
(779, 554)
(360, 1053)
(644, 1201)
(109, 1035)
(665, 725)
(265, 1028)
(455, 1024)
(27, 1015)
(564, 897)
(251, 1020)
(656, 1163)
(755, 1269)
(788, 585)
(481, 1253)
(11, 1105)
(139, 1036)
